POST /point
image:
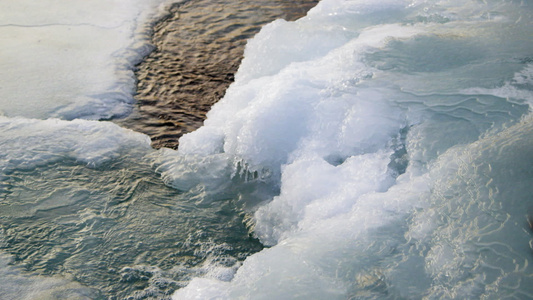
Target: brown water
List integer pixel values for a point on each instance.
(199, 46)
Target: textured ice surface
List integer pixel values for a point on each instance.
(400, 136)
(28, 143)
(71, 59)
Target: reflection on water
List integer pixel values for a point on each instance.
(116, 227)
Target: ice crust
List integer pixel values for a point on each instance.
(29, 143)
(71, 59)
(398, 134)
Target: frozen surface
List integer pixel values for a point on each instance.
(71, 59)
(399, 134)
(48, 141)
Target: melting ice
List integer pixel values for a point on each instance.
(378, 149)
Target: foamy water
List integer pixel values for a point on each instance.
(379, 149)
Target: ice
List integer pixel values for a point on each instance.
(187, 172)
(265, 131)
(378, 149)
(398, 135)
(60, 58)
(29, 143)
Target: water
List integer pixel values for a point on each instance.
(370, 150)
(109, 221)
(199, 46)
(83, 205)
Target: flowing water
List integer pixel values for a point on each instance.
(369, 150)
